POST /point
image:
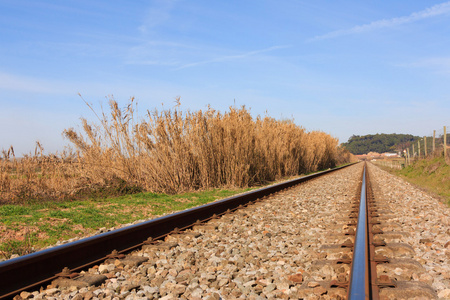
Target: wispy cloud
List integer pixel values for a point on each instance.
(177, 55)
(162, 53)
(436, 10)
(439, 65)
(11, 82)
(231, 57)
(157, 14)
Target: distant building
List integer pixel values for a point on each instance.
(388, 154)
(376, 155)
(369, 156)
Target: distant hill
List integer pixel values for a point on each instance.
(379, 143)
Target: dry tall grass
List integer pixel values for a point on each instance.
(37, 176)
(169, 151)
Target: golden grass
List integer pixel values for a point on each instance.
(168, 151)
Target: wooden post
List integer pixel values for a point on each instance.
(414, 151)
(445, 142)
(408, 158)
(418, 147)
(434, 140)
(425, 145)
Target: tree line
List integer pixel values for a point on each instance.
(379, 143)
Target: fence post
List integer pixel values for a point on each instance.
(434, 140)
(408, 158)
(445, 142)
(414, 152)
(425, 145)
(418, 147)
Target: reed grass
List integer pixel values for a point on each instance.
(168, 151)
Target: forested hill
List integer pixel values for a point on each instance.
(378, 143)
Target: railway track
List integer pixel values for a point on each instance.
(37, 269)
(292, 244)
(369, 260)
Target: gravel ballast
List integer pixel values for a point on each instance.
(425, 219)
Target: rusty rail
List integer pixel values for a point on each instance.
(37, 269)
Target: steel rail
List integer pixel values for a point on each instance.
(37, 269)
(359, 281)
(364, 283)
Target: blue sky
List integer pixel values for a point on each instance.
(343, 67)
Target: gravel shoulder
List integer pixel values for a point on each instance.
(426, 219)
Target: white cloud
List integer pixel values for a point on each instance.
(47, 86)
(27, 84)
(177, 55)
(436, 10)
(161, 53)
(437, 64)
(231, 57)
(157, 14)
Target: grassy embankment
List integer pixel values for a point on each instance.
(431, 174)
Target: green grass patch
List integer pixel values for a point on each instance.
(37, 225)
(13, 210)
(431, 174)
